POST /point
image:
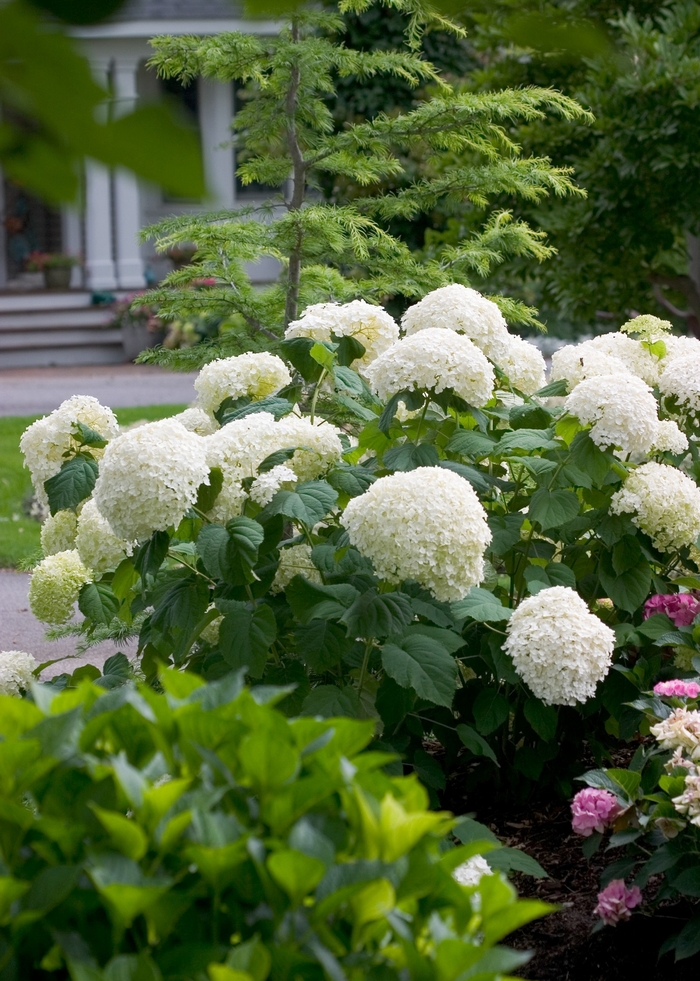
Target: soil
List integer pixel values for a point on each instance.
(564, 947)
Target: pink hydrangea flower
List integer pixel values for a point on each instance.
(616, 902)
(593, 810)
(677, 688)
(682, 608)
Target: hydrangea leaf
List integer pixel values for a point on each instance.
(73, 483)
(424, 665)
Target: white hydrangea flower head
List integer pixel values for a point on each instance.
(576, 362)
(45, 443)
(669, 438)
(58, 532)
(688, 803)
(55, 585)
(16, 672)
(648, 327)
(559, 648)
(237, 449)
(681, 378)
(680, 730)
(371, 325)
(636, 358)
(197, 421)
(678, 347)
(149, 478)
(465, 311)
(427, 525)
(318, 442)
(621, 411)
(294, 561)
(471, 872)
(433, 360)
(255, 375)
(663, 502)
(97, 545)
(266, 485)
(524, 365)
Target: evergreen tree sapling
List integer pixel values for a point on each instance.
(342, 250)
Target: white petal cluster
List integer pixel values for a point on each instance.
(433, 360)
(45, 443)
(240, 447)
(58, 532)
(54, 586)
(97, 545)
(620, 409)
(256, 375)
(16, 672)
(669, 438)
(265, 486)
(663, 502)
(636, 358)
(688, 803)
(647, 327)
(197, 421)
(372, 326)
(294, 561)
(681, 379)
(559, 648)
(524, 365)
(575, 362)
(471, 872)
(678, 347)
(149, 478)
(680, 730)
(465, 311)
(426, 525)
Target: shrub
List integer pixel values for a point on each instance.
(342, 558)
(197, 834)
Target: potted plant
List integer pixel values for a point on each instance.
(56, 267)
(140, 327)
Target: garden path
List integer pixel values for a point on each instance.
(27, 391)
(19, 630)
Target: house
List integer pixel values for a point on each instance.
(51, 327)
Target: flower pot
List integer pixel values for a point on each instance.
(138, 338)
(57, 277)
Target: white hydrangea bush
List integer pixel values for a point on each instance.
(420, 529)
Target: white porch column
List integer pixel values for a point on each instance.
(215, 117)
(3, 236)
(99, 265)
(127, 203)
(72, 243)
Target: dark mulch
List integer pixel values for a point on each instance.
(565, 949)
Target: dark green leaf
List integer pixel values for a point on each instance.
(688, 942)
(349, 350)
(585, 455)
(351, 381)
(505, 531)
(297, 351)
(321, 644)
(476, 478)
(428, 770)
(476, 744)
(514, 860)
(73, 483)
(149, 557)
(529, 416)
(551, 509)
(543, 718)
(526, 439)
(491, 710)
(408, 456)
(329, 701)
(97, 602)
(275, 459)
(208, 493)
(230, 553)
(470, 442)
(626, 555)
(553, 390)
(246, 635)
(425, 666)
(89, 437)
(311, 601)
(308, 504)
(375, 614)
(351, 480)
(479, 604)
(629, 590)
(277, 406)
(688, 882)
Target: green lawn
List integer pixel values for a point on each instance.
(19, 534)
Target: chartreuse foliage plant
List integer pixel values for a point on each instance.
(464, 560)
(287, 144)
(197, 834)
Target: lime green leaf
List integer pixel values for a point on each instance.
(126, 836)
(296, 873)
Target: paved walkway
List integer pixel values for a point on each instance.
(27, 391)
(21, 631)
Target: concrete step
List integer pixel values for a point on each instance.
(56, 319)
(17, 341)
(13, 301)
(66, 357)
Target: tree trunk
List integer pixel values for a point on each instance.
(688, 286)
